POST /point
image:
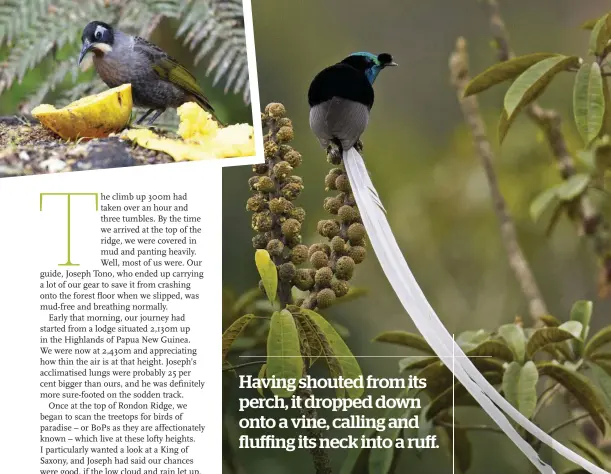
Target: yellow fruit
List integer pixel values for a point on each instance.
(202, 138)
(95, 116)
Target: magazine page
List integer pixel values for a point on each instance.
(269, 237)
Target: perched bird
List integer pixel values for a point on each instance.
(158, 80)
(340, 98)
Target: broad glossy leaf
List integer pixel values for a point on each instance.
(304, 342)
(533, 82)
(268, 272)
(284, 359)
(520, 387)
(233, 331)
(545, 336)
(573, 187)
(349, 365)
(262, 376)
(404, 338)
(601, 34)
(513, 335)
(543, 202)
(597, 341)
(589, 101)
(503, 71)
(495, 349)
(581, 388)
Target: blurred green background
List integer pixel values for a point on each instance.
(420, 157)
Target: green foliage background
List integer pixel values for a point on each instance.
(420, 157)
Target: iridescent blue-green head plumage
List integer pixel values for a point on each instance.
(371, 64)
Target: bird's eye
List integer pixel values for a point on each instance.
(98, 35)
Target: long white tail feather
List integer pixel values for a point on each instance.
(432, 329)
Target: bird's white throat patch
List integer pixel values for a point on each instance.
(103, 47)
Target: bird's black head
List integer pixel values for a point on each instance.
(98, 37)
(371, 64)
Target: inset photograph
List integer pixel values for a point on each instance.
(107, 84)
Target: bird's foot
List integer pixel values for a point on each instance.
(358, 146)
(334, 153)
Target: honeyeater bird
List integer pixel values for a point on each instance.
(341, 97)
(158, 80)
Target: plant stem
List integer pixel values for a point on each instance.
(459, 70)
(592, 223)
(568, 422)
(322, 463)
(488, 428)
(545, 398)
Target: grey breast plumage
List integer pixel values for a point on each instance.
(131, 61)
(341, 119)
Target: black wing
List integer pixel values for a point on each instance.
(340, 80)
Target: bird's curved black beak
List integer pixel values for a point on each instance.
(87, 46)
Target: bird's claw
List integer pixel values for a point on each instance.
(334, 154)
(358, 146)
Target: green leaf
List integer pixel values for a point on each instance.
(416, 362)
(550, 321)
(356, 456)
(495, 349)
(245, 300)
(582, 313)
(545, 336)
(573, 187)
(589, 101)
(262, 376)
(533, 82)
(233, 331)
(460, 448)
(520, 387)
(268, 272)
(601, 33)
(597, 456)
(349, 365)
(599, 339)
(457, 395)
(284, 359)
(542, 202)
(503, 71)
(467, 340)
(381, 459)
(603, 380)
(581, 388)
(404, 338)
(513, 335)
(590, 24)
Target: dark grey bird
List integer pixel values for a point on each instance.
(158, 80)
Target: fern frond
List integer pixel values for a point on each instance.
(48, 33)
(17, 16)
(218, 25)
